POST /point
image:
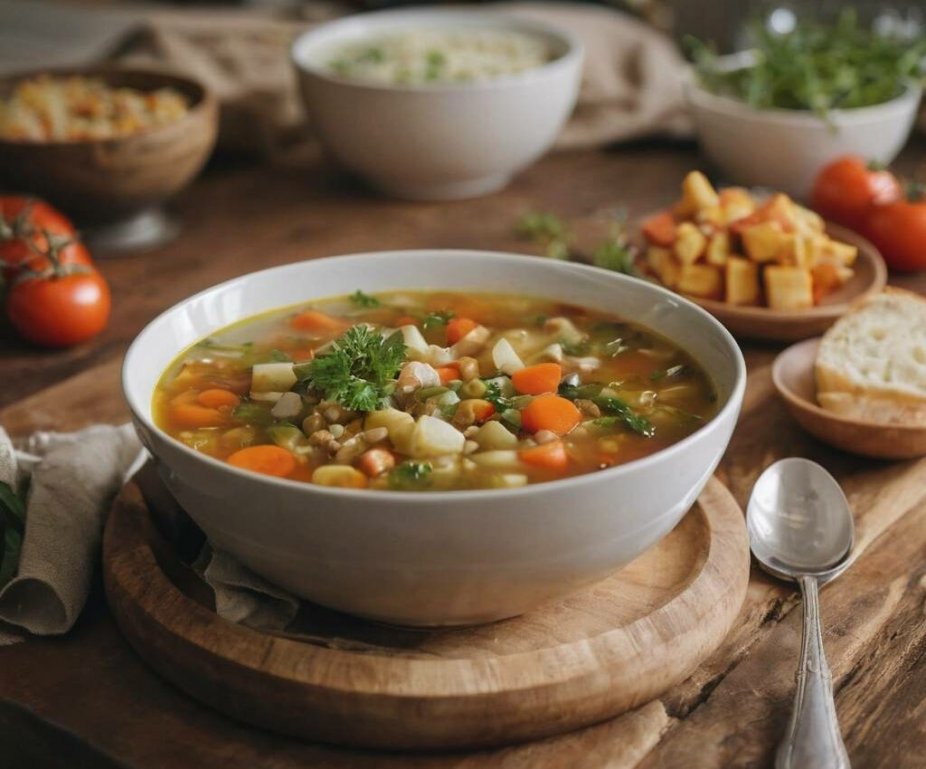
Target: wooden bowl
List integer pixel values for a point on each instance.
(870, 276)
(793, 376)
(110, 179)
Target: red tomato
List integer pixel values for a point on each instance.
(60, 307)
(847, 188)
(25, 221)
(899, 231)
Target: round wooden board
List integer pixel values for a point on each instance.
(576, 661)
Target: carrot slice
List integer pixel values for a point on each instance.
(265, 458)
(482, 410)
(538, 379)
(457, 328)
(550, 412)
(448, 373)
(193, 416)
(660, 230)
(313, 320)
(216, 398)
(551, 456)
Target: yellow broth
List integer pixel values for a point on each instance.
(584, 391)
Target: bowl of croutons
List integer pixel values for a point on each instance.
(763, 265)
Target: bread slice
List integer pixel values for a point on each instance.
(871, 365)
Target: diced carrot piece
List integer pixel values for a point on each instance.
(660, 230)
(313, 320)
(406, 320)
(216, 398)
(375, 462)
(538, 379)
(193, 416)
(457, 328)
(550, 412)
(549, 455)
(448, 373)
(482, 410)
(266, 459)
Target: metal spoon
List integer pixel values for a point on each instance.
(800, 528)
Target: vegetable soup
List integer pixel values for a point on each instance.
(432, 391)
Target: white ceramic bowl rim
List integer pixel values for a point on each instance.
(872, 113)
(732, 403)
(436, 16)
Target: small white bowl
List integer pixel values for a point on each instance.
(439, 141)
(437, 558)
(785, 149)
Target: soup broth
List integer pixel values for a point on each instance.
(420, 391)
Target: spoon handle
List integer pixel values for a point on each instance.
(813, 740)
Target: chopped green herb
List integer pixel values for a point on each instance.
(278, 356)
(435, 319)
(252, 413)
(364, 300)
(623, 414)
(817, 66)
(577, 349)
(373, 55)
(588, 391)
(410, 475)
(435, 62)
(616, 256)
(493, 395)
(355, 369)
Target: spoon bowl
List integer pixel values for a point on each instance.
(799, 521)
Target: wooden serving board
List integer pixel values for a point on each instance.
(574, 662)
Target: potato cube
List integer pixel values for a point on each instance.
(690, 244)
(842, 253)
(766, 242)
(718, 249)
(701, 280)
(742, 278)
(711, 217)
(664, 264)
(736, 203)
(827, 277)
(788, 287)
(697, 193)
(806, 221)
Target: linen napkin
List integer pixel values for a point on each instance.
(72, 478)
(631, 87)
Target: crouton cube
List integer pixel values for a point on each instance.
(711, 217)
(779, 208)
(660, 230)
(736, 203)
(690, 243)
(701, 280)
(718, 249)
(788, 287)
(742, 280)
(766, 242)
(663, 264)
(697, 193)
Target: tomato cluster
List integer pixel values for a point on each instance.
(872, 202)
(54, 295)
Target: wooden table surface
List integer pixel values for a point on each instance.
(86, 700)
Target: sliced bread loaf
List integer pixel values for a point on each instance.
(871, 364)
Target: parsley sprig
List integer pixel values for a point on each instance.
(356, 369)
(364, 300)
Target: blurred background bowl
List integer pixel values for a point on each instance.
(438, 141)
(785, 149)
(117, 182)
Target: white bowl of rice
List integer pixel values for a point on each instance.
(437, 104)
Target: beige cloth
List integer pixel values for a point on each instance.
(631, 86)
(73, 478)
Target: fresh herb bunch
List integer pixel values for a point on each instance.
(548, 230)
(355, 370)
(817, 67)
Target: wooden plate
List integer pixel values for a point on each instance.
(870, 276)
(793, 376)
(577, 661)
